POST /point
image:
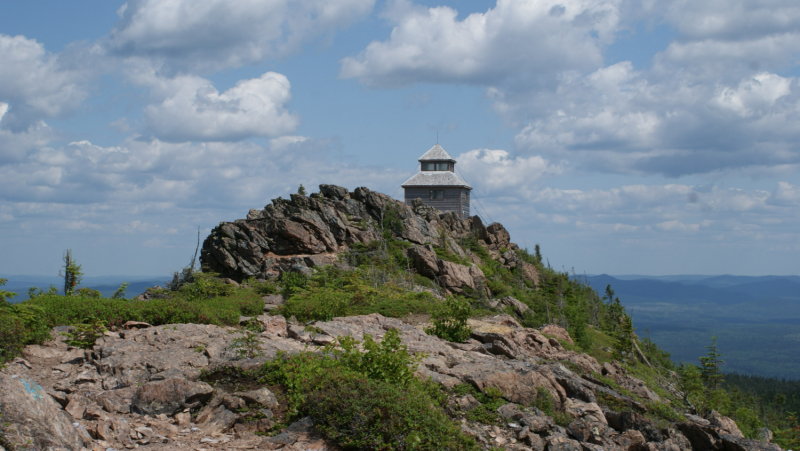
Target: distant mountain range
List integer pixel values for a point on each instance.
(107, 285)
(756, 319)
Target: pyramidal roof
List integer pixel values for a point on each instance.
(436, 153)
(436, 178)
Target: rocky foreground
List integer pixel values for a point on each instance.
(142, 388)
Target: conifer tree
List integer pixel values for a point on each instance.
(302, 190)
(711, 372)
(72, 274)
(623, 341)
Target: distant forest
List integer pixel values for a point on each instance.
(773, 396)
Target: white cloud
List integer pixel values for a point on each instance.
(517, 41)
(34, 83)
(757, 93)
(198, 112)
(732, 19)
(787, 193)
(495, 171)
(715, 101)
(209, 34)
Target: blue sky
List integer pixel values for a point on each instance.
(622, 136)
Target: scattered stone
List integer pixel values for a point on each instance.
(168, 396)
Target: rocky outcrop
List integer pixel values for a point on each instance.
(302, 232)
(32, 417)
(141, 388)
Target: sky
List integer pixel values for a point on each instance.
(624, 137)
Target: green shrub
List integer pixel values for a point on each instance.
(544, 401)
(332, 292)
(12, 329)
(247, 345)
(4, 295)
(88, 292)
(84, 335)
(366, 399)
(361, 413)
(450, 320)
(322, 304)
(63, 310)
(20, 325)
(293, 282)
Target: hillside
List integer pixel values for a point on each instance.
(348, 320)
(755, 319)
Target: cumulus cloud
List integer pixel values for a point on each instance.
(211, 34)
(35, 83)
(496, 171)
(731, 19)
(715, 101)
(198, 112)
(621, 120)
(516, 41)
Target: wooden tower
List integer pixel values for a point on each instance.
(438, 185)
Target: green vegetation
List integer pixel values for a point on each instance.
(450, 320)
(72, 273)
(364, 394)
(246, 345)
(84, 335)
(207, 300)
(379, 283)
(5, 295)
(369, 399)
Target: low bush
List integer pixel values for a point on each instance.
(63, 310)
(367, 399)
(361, 413)
(84, 335)
(20, 325)
(450, 320)
(332, 292)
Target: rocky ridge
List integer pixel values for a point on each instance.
(302, 232)
(172, 387)
(142, 388)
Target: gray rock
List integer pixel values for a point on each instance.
(32, 417)
(168, 396)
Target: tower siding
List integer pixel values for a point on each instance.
(451, 202)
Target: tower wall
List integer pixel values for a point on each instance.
(453, 199)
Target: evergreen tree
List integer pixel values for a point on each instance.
(537, 253)
(623, 341)
(302, 190)
(711, 372)
(72, 274)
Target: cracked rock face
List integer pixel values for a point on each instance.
(140, 388)
(302, 232)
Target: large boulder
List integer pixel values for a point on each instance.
(31, 417)
(449, 275)
(302, 232)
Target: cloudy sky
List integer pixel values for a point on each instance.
(625, 137)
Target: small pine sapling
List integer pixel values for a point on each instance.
(84, 335)
(247, 345)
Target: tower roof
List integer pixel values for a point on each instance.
(436, 178)
(436, 153)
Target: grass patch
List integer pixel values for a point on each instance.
(332, 292)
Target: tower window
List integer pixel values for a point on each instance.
(437, 194)
(428, 166)
(442, 167)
